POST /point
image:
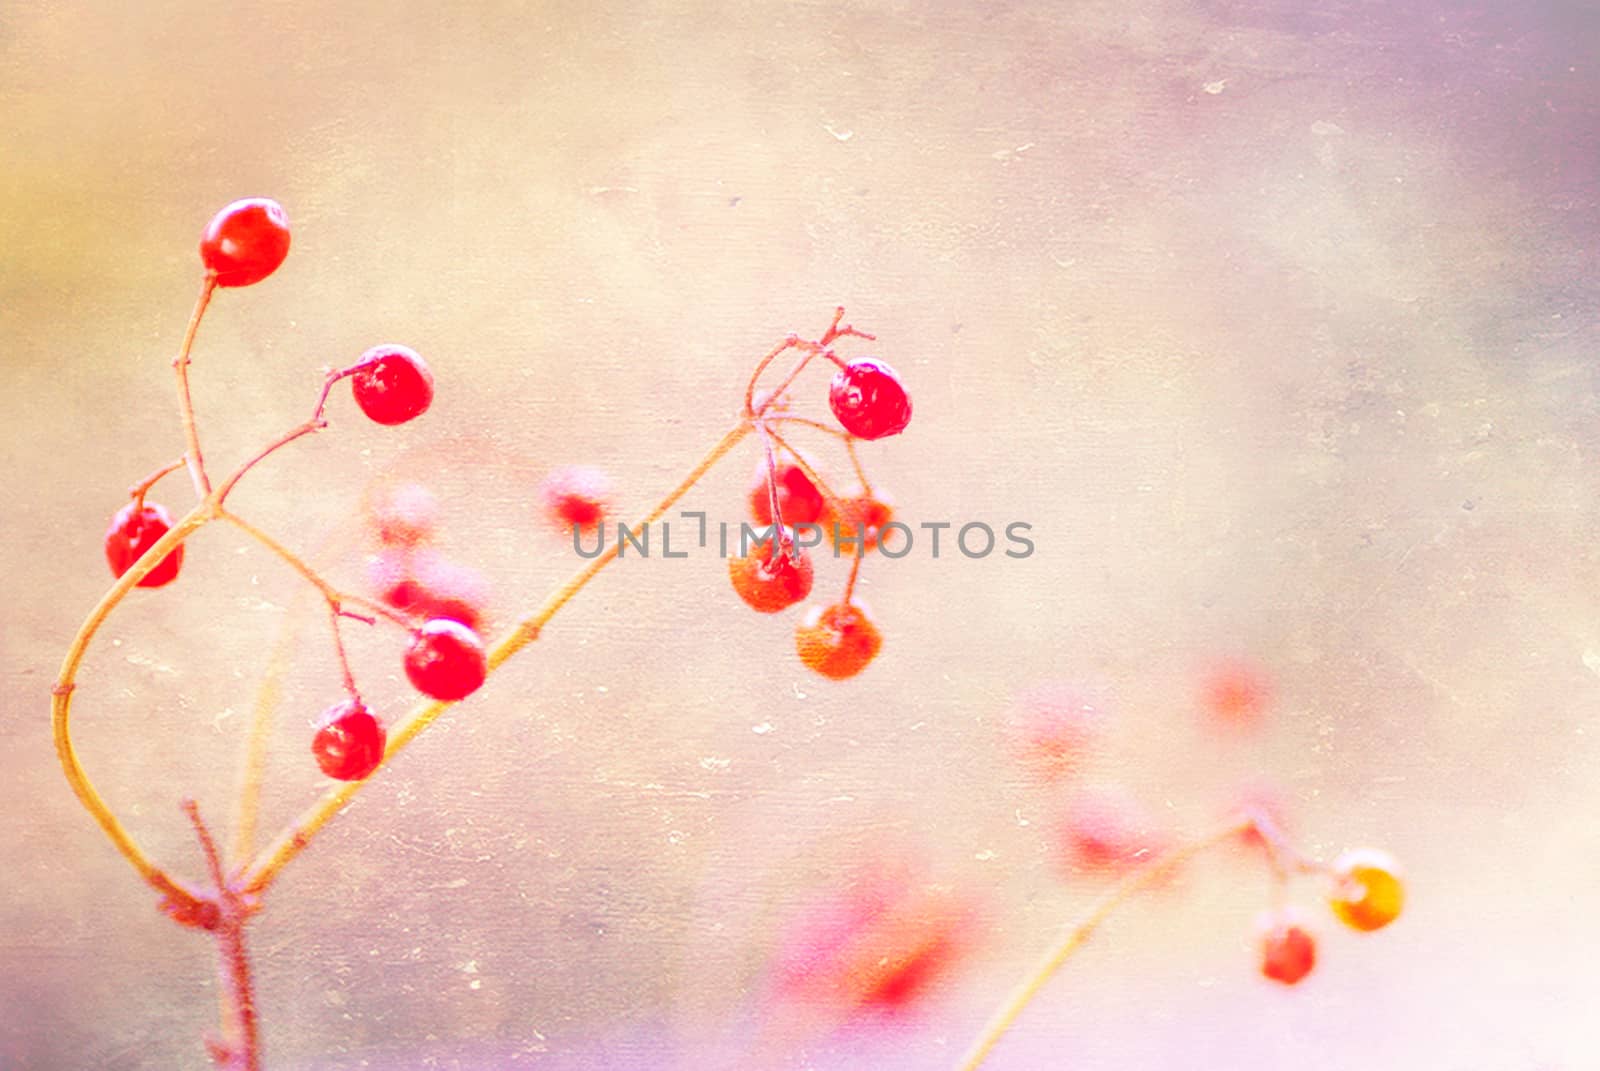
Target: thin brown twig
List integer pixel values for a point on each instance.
(180, 364)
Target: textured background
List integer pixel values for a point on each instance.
(1278, 327)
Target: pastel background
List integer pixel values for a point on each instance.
(1275, 320)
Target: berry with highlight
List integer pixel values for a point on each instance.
(837, 641)
(446, 660)
(246, 241)
(392, 384)
(134, 530)
(349, 741)
(768, 578)
(868, 400)
(1369, 893)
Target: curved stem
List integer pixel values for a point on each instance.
(293, 840)
(61, 709)
(180, 364)
(1075, 935)
(316, 423)
(142, 488)
(761, 366)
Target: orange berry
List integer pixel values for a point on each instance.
(1369, 894)
(858, 519)
(768, 579)
(837, 641)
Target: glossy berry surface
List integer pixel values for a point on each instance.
(837, 641)
(859, 521)
(1369, 893)
(349, 742)
(768, 579)
(798, 498)
(246, 241)
(578, 496)
(392, 384)
(1288, 951)
(133, 531)
(868, 400)
(446, 660)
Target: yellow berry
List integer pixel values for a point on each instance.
(1368, 893)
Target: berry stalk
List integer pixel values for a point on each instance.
(180, 364)
(289, 843)
(61, 709)
(1078, 933)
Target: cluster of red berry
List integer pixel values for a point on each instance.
(789, 496)
(439, 603)
(243, 244)
(838, 639)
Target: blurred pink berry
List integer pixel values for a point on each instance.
(1053, 726)
(878, 944)
(403, 515)
(427, 585)
(1105, 829)
(577, 496)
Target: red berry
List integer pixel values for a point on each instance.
(798, 498)
(392, 384)
(446, 660)
(868, 399)
(135, 530)
(404, 515)
(859, 520)
(1288, 951)
(837, 641)
(768, 579)
(577, 496)
(246, 241)
(349, 741)
(425, 584)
